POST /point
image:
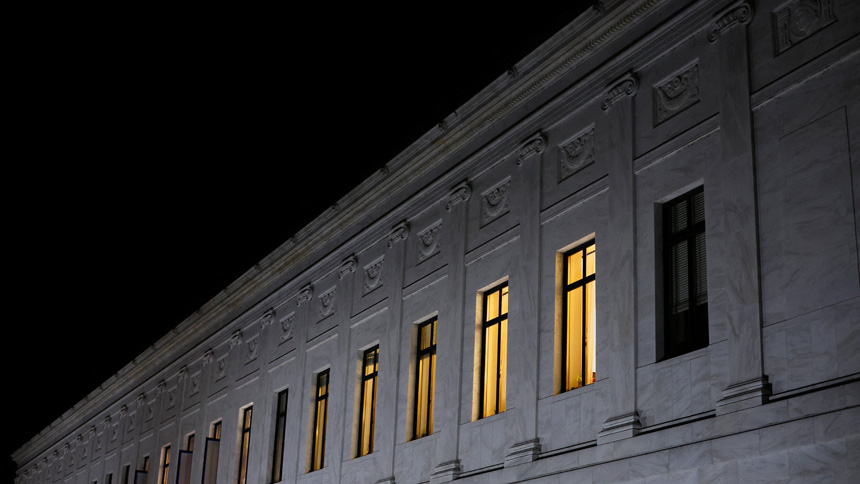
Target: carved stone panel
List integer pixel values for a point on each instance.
(373, 275)
(576, 153)
(428, 242)
(251, 353)
(495, 202)
(676, 94)
(221, 368)
(194, 386)
(171, 397)
(287, 326)
(795, 21)
(327, 303)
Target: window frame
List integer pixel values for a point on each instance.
(316, 421)
(430, 353)
(165, 464)
(365, 377)
(245, 443)
(280, 428)
(566, 288)
(697, 314)
(486, 324)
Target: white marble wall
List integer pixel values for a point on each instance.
(774, 142)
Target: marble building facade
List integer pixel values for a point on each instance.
(584, 143)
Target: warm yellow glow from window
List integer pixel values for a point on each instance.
(495, 344)
(425, 380)
(580, 318)
(368, 400)
(318, 446)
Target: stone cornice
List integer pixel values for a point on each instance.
(546, 65)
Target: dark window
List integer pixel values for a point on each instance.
(146, 463)
(280, 425)
(244, 445)
(165, 465)
(578, 328)
(685, 275)
(320, 410)
(109, 479)
(125, 472)
(367, 404)
(425, 378)
(494, 349)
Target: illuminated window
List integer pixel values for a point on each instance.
(425, 378)
(578, 328)
(367, 405)
(146, 463)
(320, 410)
(216, 430)
(244, 445)
(280, 425)
(189, 446)
(685, 311)
(165, 464)
(494, 350)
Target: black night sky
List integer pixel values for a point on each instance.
(157, 154)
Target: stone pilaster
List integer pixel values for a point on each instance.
(524, 322)
(617, 253)
(733, 179)
(449, 341)
(338, 405)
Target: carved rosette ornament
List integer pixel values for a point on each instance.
(676, 94)
(373, 275)
(797, 20)
(428, 242)
(347, 266)
(327, 302)
(576, 154)
(738, 14)
(287, 326)
(495, 202)
(533, 146)
(305, 294)
(399, 232)
(627, 86)
(460, 193)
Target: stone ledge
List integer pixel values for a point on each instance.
(522, 452)
(446, 472)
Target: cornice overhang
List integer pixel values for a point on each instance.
(588, 33)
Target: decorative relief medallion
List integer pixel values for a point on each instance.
(171, 397)
(130, 426)
(799, 19)
(399, 232)
(676, 94)
(221, 368)
(287, 326)
(628, 86)
(183, 372)
(428, 242)
(534, 145)
(347, 267)
(460, 193)
(327, 302)
(305, 294)
(373, 275)
(195, 384)
(739, 14)
(150, 410)
(495, 202)
(252, 349)
(576, 154)
(208, 356)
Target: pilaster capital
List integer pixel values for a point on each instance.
(626, 85)
(267, 318)
(208, 356)
(534, 145)
(460, 193)
(236, 339)
(306, 293)
(399, 232)
(738, 14)
(347, 266)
